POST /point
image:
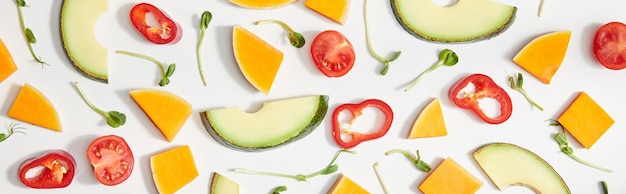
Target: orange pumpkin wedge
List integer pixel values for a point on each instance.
(343, 184)
(336, 10)
(257, 60)
(32, 106)
(167, 111)
(585, 120)
(429, 123)
(173, 169)
(7, 65)
(543, 56)
(261, 4)
(450, 177)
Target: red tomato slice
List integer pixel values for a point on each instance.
(609, 45)
(111, 159)
(332, 53)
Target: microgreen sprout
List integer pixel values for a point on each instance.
(113, 118)
(380, 178)
(371, 50)
(279, 189)
(165, 73)
(13, 128)
(561, 139)
(516, 83)
(204, 24)
(605, 187)
(447, 57)
(28, 33)
(295, 38)
(416, 160)
(329, 169)
(540, 8)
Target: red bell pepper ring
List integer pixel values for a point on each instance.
(169, 31)
(484, 87)
(56, 170)
(355, 110)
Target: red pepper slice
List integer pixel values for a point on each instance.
(484, 87)
(56, 170)
(355, 110)
(169, 32)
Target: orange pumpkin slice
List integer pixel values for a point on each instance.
(167, 111)
(450, 177)
(7, 65)
(585, 120)
(257, 60)
(336, 10)
(429, 123)
(261, 4)
(173, 169)
(32, 106)
(343, 184)
(543, 56)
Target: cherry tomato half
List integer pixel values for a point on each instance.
(609, 45)
(332, 53)
(111, 159)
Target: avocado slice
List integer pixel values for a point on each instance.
(86, 54)
(223, 185)
(277, 123)
(509, 165)
(465, 21)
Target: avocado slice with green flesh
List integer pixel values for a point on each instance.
(509, 165)
(465, 21)
(222, 185)
(277, 123)
(78, 18)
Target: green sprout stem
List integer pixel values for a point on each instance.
(28, 34)
(447, 57)
(165, 73)
(561, 139)
(605, 187)
(540, 11)
(204, 23)
(13, 128)
(295, 38)
(417, 161)
(113, 118)
(380, 179)
(516, 83)
(371, 50)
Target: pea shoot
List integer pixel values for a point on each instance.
(165, 74)
(329, 169)
(279, 189)
(516, 83)
(28, 33)
(416, 160)
(371, 50)
(205, 19)
(13, 128)
(380, 178)
(447, 57)
(540, 11)
(605, 187)
(561, 139)
(295, 38)
(113, 118)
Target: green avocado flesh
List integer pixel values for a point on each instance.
(276, 123)
(78, 18)
(509, 165)
(465, 21)
(222, 185)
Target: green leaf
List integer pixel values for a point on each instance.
(279, 189)
(520, 80)
(394, 56)
(30, 36)
(205, 20)
(385, 69)
(330, 169)
(21, 3)
(296, 39)
(448, 57)
(3, 137)
(170, 70)
(116, 119)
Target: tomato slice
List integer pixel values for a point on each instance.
(609, 45)
(111, 159)
(332, 53)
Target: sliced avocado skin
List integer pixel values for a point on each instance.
(312, 125)
(418, 35)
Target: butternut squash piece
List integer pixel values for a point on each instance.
(336, 10)
(7, 65)
(173, 169)
(261, 4)
(32, 106)
(450, 177)
(257, 60)
(430, 122)
(585, 120)
(343, 184)
(167, 111)
(543, 56)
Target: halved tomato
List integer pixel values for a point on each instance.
(609, 45)
(111, 159)
(332, 53)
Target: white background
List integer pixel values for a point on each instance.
(297, 77)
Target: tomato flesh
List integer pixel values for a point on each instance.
(332, 53)
(609, 45)
(111, 159)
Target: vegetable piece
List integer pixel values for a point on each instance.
(608, 45)
(355, 110)
(605, 187)
(55, 169)
(205, 19)
(166, 71)
(32, 106)
(371, 50)
(343, 184)
(279, 189)
(380, 178)
(220, 184)
(561, 139)
(261, 4)
(111, 159)
(484, 87)
(13, 128)
(167, 111)
(169, 31)
(173, 169)
(7, 65)
(295, 38)
(332, 53)
(417, 161)
(543, 56)
(28, 33)
(585, 120)
(516, 83)
(114, 119)
(455, 178)
(447, 57)
(329, 169)
(336, 10)
(258, 60)
(429, 123)
(540, 11)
